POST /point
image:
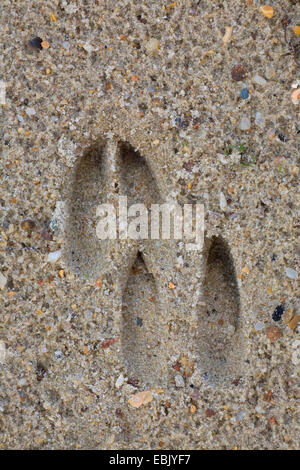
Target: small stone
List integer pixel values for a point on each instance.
(267, 11)
(152, 45)
(296, 353)
(133, 381)
(271, 134)
(294, 322)
(45, 44)
(120, 381)
(259, 120)
(259, 80)
(297, 30)
(295, 96)
(244, 93)
(227, 36)
(291, 273)
(58, 355)
(209, 412)
(258, 326)
(288, 315)
(140, 398)
(54, 256)
(222, 202)
(193, 409)
(179, 381)
(273, 333)
(108, 342)
(195, 396)
(2, 352)
(30, 111)
(46, 235)
(36, 43)
(277, 314)
(28, 225)
(245, 124)
(3, 281)
(238, 72)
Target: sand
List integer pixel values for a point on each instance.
(140, 99)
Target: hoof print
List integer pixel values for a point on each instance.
(143, 331)
(220, 338)
(83, 252)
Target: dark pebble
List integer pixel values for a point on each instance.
(238, 73)
(36, 43)
(277, 314)
(46, 235)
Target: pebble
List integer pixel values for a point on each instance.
(58, 355)
(140, 398)
(30, 111)
(258, 326)
(3, 281)
(259, 120)
(2, 352)
(245, 124)
(244, 93)
(238, 72)
(291, 273)
(296, 353)
(179, 381)
(227, 36)
(267, 11)
(28, 225)
(296, 96)
(36, 43)
(152, 45)
(259, 80)
(277, 314)
(120, 380)
(222, 202)
(273, 333)
(54, 256)
(288, 315)
(294, 322)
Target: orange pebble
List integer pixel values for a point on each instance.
(267, 11)
(45, 44)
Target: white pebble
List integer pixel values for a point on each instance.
(152, 45)
(291, 273)
(3, 281)
(2, 352)
(259, 80)
(259, 120)
(120, 381)
(245, 124)
(258, 326)
(88, 47)
(296, 353)
(54, 256)
(179, 382)
(222, 202)
(30, 111)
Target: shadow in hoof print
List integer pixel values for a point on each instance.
(220, 330)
